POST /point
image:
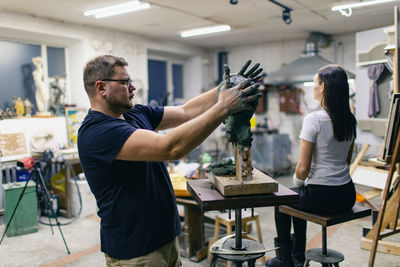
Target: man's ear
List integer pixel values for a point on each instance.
(100, 87)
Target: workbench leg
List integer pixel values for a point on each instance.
(195, 229)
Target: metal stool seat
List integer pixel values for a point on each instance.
(325, 256)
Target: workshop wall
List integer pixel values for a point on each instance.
(83, 43)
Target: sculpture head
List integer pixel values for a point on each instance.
(37, 61)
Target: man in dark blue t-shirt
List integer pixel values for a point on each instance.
(122, 156)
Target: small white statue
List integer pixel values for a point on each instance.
(42, 94)
(28, 107)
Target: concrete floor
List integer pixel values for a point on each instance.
(82, 236)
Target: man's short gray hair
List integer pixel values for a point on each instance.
(101, 67)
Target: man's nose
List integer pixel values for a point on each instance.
(131, 87)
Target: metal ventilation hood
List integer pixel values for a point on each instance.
(304, 68)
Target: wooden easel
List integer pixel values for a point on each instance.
(390, 202)
(388, 214)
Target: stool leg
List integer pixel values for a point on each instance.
(259, 235)
(336, 264)
(214, 260)
(216, 234)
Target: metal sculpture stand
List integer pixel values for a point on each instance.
(238, 250)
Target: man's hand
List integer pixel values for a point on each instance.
(240, 97)
(252, 74)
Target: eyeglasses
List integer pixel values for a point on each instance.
(127, 82)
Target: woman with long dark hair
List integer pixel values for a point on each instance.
(322, 176)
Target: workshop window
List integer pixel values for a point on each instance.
(165, 81)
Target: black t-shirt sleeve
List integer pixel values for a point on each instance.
(102, 137)
(153, 114)
(106, 140)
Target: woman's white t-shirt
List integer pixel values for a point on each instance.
(328, 164)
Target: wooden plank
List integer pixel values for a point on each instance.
(209, 198)
(247, 164)
(231, 186)
(358, 159)
(388, 247)
(237, 162)
(372, 193)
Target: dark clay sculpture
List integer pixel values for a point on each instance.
(238, 124)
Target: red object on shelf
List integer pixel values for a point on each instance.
(28, 162)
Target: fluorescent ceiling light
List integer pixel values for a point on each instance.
(117, 9)
(346, 10)
(308, 84)
(206, 30)
(311, 84)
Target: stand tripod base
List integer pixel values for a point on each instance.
(250, 252)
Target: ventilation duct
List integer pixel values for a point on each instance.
(304, 68)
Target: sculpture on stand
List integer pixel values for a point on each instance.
(42, 94)
(240, 178)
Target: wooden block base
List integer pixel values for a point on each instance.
(229, 185)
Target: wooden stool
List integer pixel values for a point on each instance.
(325, 256)
(229, 223)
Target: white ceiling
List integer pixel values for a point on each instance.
(253, 21)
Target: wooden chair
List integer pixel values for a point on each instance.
(325, 256)
(223, 219)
